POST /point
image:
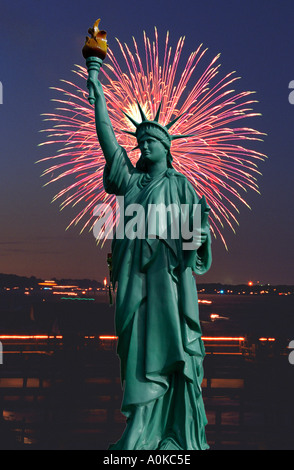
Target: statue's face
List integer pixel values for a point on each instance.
(152, 149)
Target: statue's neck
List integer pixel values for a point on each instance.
(156, 168)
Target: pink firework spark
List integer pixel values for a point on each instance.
(215, 160)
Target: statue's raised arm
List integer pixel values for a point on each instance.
(104, 127)
(94, 51)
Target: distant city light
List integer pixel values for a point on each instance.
(250, 283)
(65, 293)
(223, 338)
(108, 337)
(22, 337)
(113, 337)
(65, 287)
(47, 283)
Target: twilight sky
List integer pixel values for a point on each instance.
(41, 40)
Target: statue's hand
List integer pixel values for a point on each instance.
(200, 238)
(95, 89)
(203, 237)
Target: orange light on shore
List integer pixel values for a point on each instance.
(29, 337)
(108, 337)
(65, 293)
(105, 282)
(250, 283)
(47, 283)
(113, 337)
(66, 287)
(223, 338)
(267, 339)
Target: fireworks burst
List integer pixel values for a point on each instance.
(215, 160)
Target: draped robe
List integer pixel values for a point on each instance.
(157, 318)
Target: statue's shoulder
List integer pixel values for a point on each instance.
(185, 187)
(171, 172)
(179, 177)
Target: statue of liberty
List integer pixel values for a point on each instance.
(157, 319)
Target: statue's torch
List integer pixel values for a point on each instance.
(94, 51)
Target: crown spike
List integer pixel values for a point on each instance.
(174, 137)
(141, 112)
(174, 121)
(135, 123)
(158, 112)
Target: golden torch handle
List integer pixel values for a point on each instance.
(93, 66)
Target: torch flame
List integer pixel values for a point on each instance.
(96, 45)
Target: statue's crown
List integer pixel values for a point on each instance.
(154, 128)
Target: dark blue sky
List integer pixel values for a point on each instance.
(40, 43)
